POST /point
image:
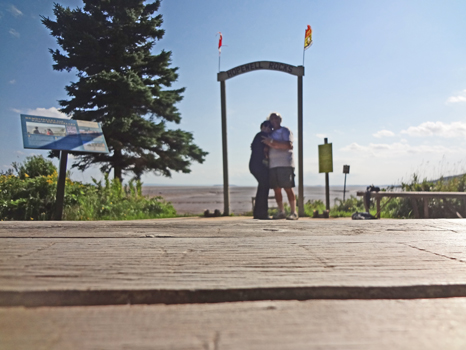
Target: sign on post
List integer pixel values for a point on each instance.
(326, 166)
(325, 158)
(345, 171)
(65, 135)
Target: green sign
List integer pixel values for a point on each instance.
(325, 158)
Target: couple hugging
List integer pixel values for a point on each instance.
(272, 165)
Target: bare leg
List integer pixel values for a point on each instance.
(291, 199)
(279, 198)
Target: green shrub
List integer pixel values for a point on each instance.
(28, 198)
(347, 207)
(312, 205)
(31, 195)
(33, 167)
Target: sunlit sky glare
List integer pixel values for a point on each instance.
(385, 82)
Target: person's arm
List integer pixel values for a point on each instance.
(277, 144)
(266, 152)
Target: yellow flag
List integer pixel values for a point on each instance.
(308, 37)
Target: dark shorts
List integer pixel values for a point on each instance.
(282, 177)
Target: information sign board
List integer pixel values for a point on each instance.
(62, 134)
(325, 158)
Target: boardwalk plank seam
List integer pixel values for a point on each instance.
(148, 297)
(437, 254)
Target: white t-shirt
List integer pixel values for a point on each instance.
(281, 157)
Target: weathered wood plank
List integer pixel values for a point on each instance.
(220, 227)
(418, 194)
(320, 324)
(226, 254)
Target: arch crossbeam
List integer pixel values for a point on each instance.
(260, 65)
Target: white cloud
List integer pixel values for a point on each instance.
(459, 98)
(47, 112)
(354, 147)
(398, 149)
(455, 129)
(14, 11)
(383, 133)
(321, 136)
(14, 33)
(43, 112)
(12, 81)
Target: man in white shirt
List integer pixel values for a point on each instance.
(281, 165)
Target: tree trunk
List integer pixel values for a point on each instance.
(117, 174)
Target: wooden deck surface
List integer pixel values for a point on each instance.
(233, 283)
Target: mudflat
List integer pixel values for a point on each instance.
(196, 199)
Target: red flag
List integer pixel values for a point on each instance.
(220, 43)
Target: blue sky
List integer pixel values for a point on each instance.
(385, 82)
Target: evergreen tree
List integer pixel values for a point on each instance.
(123, 85)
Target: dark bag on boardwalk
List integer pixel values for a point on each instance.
(362, 216)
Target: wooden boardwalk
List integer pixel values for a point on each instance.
(233, 283)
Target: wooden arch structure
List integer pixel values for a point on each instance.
(251, 67)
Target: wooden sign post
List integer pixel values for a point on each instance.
(345, 171)
(326, 166)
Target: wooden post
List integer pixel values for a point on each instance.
(226, 187)
(300, 148)
(426, 207)
(327, 186)
(344, 189)
(415, 208)
(377, 199)
(61, 186)
(346, 172)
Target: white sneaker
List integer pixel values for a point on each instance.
(293, 216)
(279, 215)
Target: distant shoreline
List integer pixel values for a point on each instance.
(178, 185)
(195, 199)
